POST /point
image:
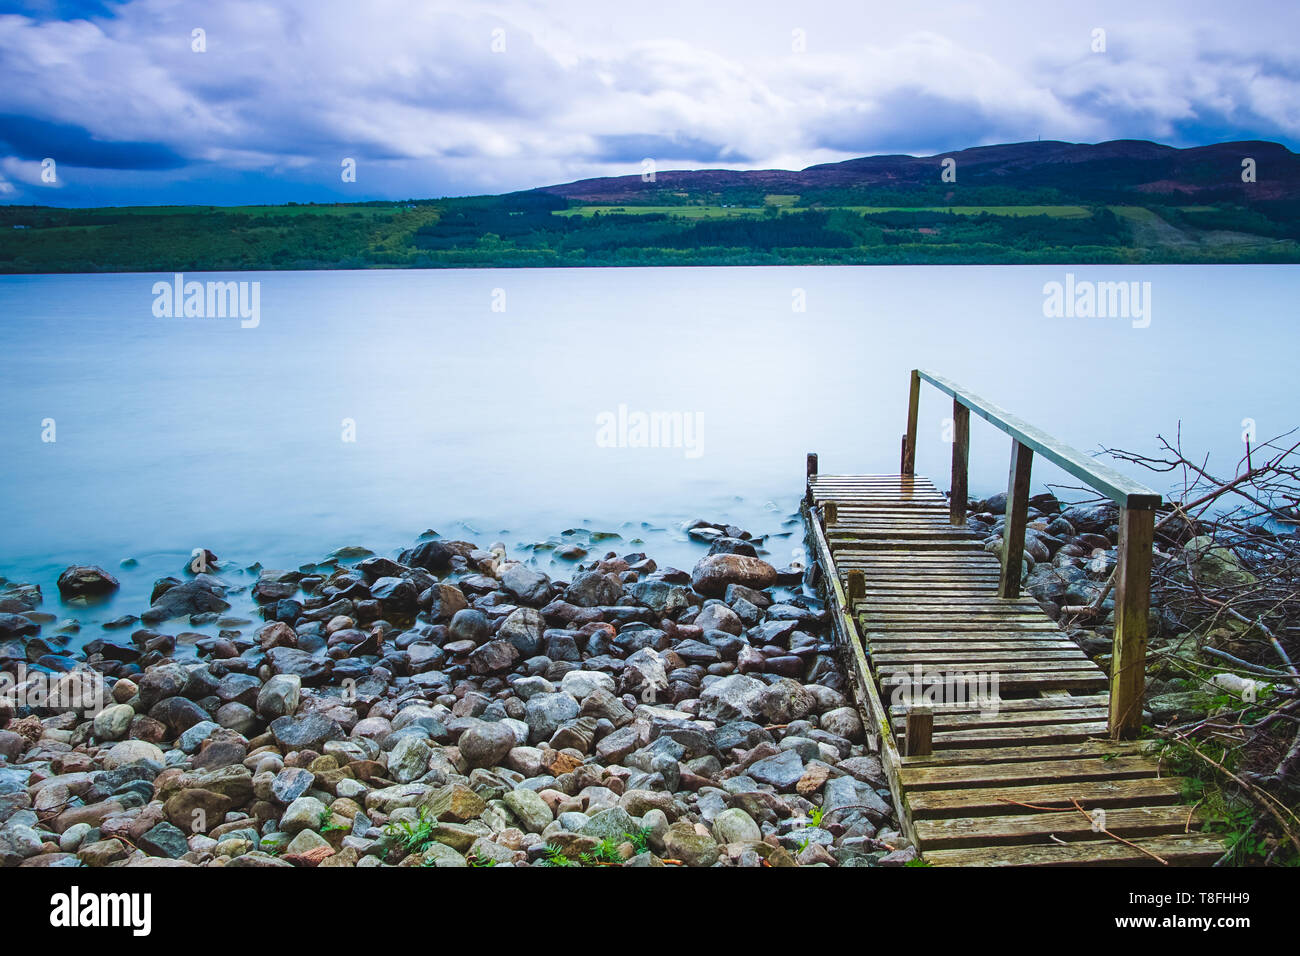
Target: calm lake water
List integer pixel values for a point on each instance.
(476, 398)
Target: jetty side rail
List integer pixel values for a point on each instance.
(1137, 505)
(870, 706)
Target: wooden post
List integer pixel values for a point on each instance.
(812, 473)
(908, 465)
(960, 463)
(1013, 529)
(857, 586)
(830, 513)
(918, 731)
(1132, 602)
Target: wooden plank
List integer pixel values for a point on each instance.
(1023, 736)
(1069, 825)
(882, 647)
(1098, 747)
(1013, 531)
(989, 634)
(972, 601)
(984, 658)
(996, 717)
(999, 801)
(917, 779)
(1175, 850)
(1032, 704)
(905, 623)
(1132, 603)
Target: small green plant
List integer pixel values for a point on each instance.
(327, 823)
(916, 861)
(554, 856)
(413, 836)
(475, 860)
(816, 815)
(606, 851)
(640, 840)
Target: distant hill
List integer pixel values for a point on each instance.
(1127, 201)
(1099, 172)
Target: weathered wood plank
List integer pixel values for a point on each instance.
(1032, 704)
(1069, 825)
(916, 779)
(1012, 752)
(1023, 736)
(944, 721)
(998, 801)
(1175, 850)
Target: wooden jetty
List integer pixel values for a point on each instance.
(1003, 743)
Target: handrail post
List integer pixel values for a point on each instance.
(812, 473)
(1132, 603)
(960, 463)
(918, 731)
(857, 589)
(908, 464)
(1017, 513)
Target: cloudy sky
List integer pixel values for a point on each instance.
(436, 99)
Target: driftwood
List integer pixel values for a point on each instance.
(1251, 590)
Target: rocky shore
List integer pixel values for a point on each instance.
(447, 707)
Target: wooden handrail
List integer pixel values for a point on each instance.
(1137, 505)
(1120, 489)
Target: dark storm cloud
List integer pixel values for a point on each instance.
(28, 138)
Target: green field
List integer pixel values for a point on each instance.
(715, 228)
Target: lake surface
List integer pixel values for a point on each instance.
(483, 403)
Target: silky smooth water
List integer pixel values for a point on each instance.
(474, 398)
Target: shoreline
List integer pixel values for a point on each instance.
(455, 708)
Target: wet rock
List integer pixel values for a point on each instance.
(781, 771)
(593, 589)
(86, 581)
(523, 628)
(469, 625)
(545, 713)
(202, 594)
(309, 732)
(279, 696)
(430, 555)
(493, 657)
(736, 697)
(525, 583)
(714, 573)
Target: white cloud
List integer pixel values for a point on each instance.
(415, 92)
